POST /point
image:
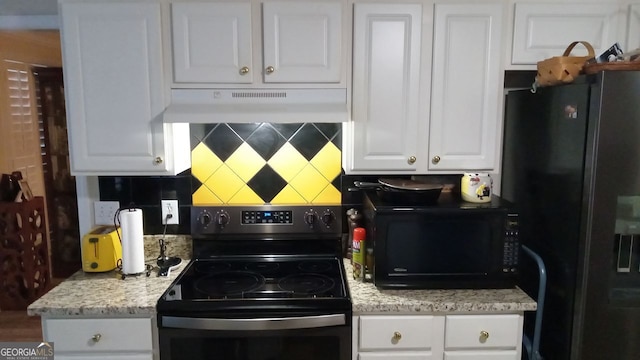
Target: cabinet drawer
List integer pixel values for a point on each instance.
(396, 356)
(148, 356)
(111, 334)
(481, 355)
(466, 331)
(396, 332)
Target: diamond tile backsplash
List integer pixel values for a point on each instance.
(264, 163)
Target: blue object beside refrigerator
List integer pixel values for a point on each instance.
(571, 165)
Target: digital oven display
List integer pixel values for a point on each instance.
(267, 217)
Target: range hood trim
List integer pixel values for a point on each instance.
(255, 113)
(202, 106)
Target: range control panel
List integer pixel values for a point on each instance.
(267, 217)
(274, 219)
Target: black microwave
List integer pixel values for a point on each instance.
(448, 245)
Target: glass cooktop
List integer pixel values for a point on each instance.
(258, 278)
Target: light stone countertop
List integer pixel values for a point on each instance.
(366, 298)
(107, 294)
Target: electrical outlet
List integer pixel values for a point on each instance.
(104, 211)
(170, 207)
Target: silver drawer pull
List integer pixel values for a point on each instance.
(96, 337)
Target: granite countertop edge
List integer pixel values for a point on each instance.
(107, 294)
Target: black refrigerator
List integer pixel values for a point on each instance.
(571, 166)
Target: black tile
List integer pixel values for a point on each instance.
(337, 140)
(329, 130)
(244, 130)
(266, 141)
(287, 130)
(146, 190)
(308, 141)
(151, 219)
(198, 132)
(185, 220)
(337, 182)
(223, 141)
(176, 188)
(267, 183)
(195, 183)
(115, 188)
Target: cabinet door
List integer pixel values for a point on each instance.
(465, 86)
(114, 86)
(386, 84)
(545, 30)
(211, 42)
(633, 31)
(302, 42)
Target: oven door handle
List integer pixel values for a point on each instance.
(284, 323)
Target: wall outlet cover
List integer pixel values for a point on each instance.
(170, 207)
(104, 212)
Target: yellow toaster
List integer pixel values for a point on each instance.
(101, 249)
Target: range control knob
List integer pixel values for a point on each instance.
(327, 217)
(222, 218)
(205, 218)
(310, 217)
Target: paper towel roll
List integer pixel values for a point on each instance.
(132, 241)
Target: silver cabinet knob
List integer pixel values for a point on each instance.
(96, 337)
(158, 160)
(244, 70)
(411, 160)
(270, 69)
(435, 159)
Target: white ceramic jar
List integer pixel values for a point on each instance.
(476, 187)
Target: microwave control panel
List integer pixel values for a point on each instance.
(511, 245)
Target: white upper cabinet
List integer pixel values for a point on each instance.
(466, 87)
(633, 31)
(114, 89)
(544, 30)
(386, 87)
(298, 42)
(211, 42)
(302, 42)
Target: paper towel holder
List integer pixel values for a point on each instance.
(121, 270)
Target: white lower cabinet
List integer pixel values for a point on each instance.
(437, 336)
(100, 339)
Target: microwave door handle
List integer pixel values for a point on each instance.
(285, 323)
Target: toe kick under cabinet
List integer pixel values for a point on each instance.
(431, 337)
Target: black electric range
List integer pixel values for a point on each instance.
(267, 274)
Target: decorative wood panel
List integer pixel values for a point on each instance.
(24, 254)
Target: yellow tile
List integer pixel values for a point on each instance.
(224, 183)
(203, 162)
(287, 162)
(329, 196)
(204, 196)
(245, 162)
(309, 182)
(246, 196)
(328, 161)
(288, 196)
